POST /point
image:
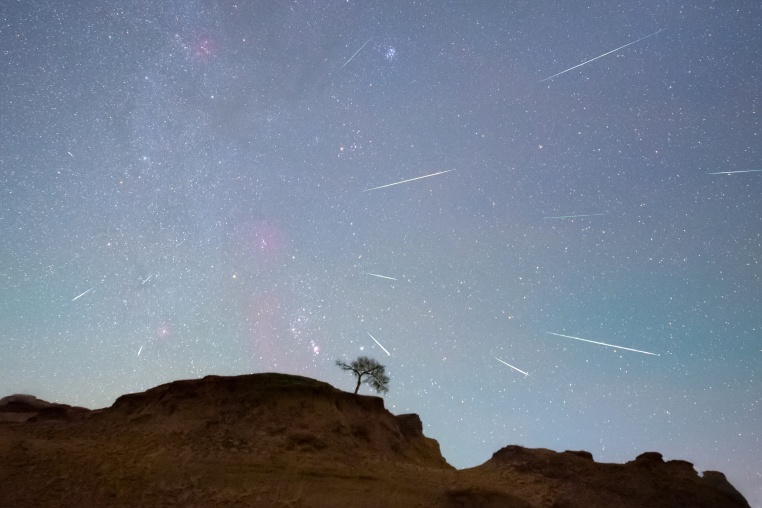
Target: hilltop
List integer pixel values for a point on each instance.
(280, 440)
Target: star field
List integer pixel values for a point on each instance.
(203, 187)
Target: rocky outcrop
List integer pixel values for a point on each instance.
(22, 408)
(277, 414)
(574, 479)
(275, 440)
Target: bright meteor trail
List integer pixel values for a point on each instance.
(511, 366)
(351, 57)
(734, 172)
(604, 344)
(381, 276)
(408, 180)
(379, 344)
(574, 216)
(599, 56)
(83, 294)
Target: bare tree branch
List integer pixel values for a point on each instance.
(374, 372)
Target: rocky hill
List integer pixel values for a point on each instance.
(22, 408)
(274, 440)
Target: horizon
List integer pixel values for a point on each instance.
(349, 392)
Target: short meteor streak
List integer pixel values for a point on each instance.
(379, 344)
(511, 366)
(140, 350)
(604, 344)
(351, 57)
(83, 294)
(600, 56)
(72, 155)
(408, 180)
(734, 172)
(575, 216)
(381, 276)
(146, 280)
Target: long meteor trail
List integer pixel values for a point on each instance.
(600, 56)
(408, 180)
(83, 294)
(734, 172)
(379, 344)
(351, 57)
(574, 216)
(381, 276)
(604, 344)
(511, 366)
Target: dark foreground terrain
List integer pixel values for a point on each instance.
(274, 440)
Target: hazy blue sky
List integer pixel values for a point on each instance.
(184, 191)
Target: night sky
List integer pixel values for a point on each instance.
(185, 190)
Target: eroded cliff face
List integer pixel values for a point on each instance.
(574, 479)
(280, 440)
(276, 414)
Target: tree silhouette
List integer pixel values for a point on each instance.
(375, 373)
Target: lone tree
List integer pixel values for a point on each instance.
(364, 366)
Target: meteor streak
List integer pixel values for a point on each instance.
(83, 294)
(604, 344)
(574, 216)
(511, 366)
(351, 57)
(734, 172)
(140, 350)
(600, 56)
(379, 344)
(382, 276)
(408, 180)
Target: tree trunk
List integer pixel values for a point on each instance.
(358, 384)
